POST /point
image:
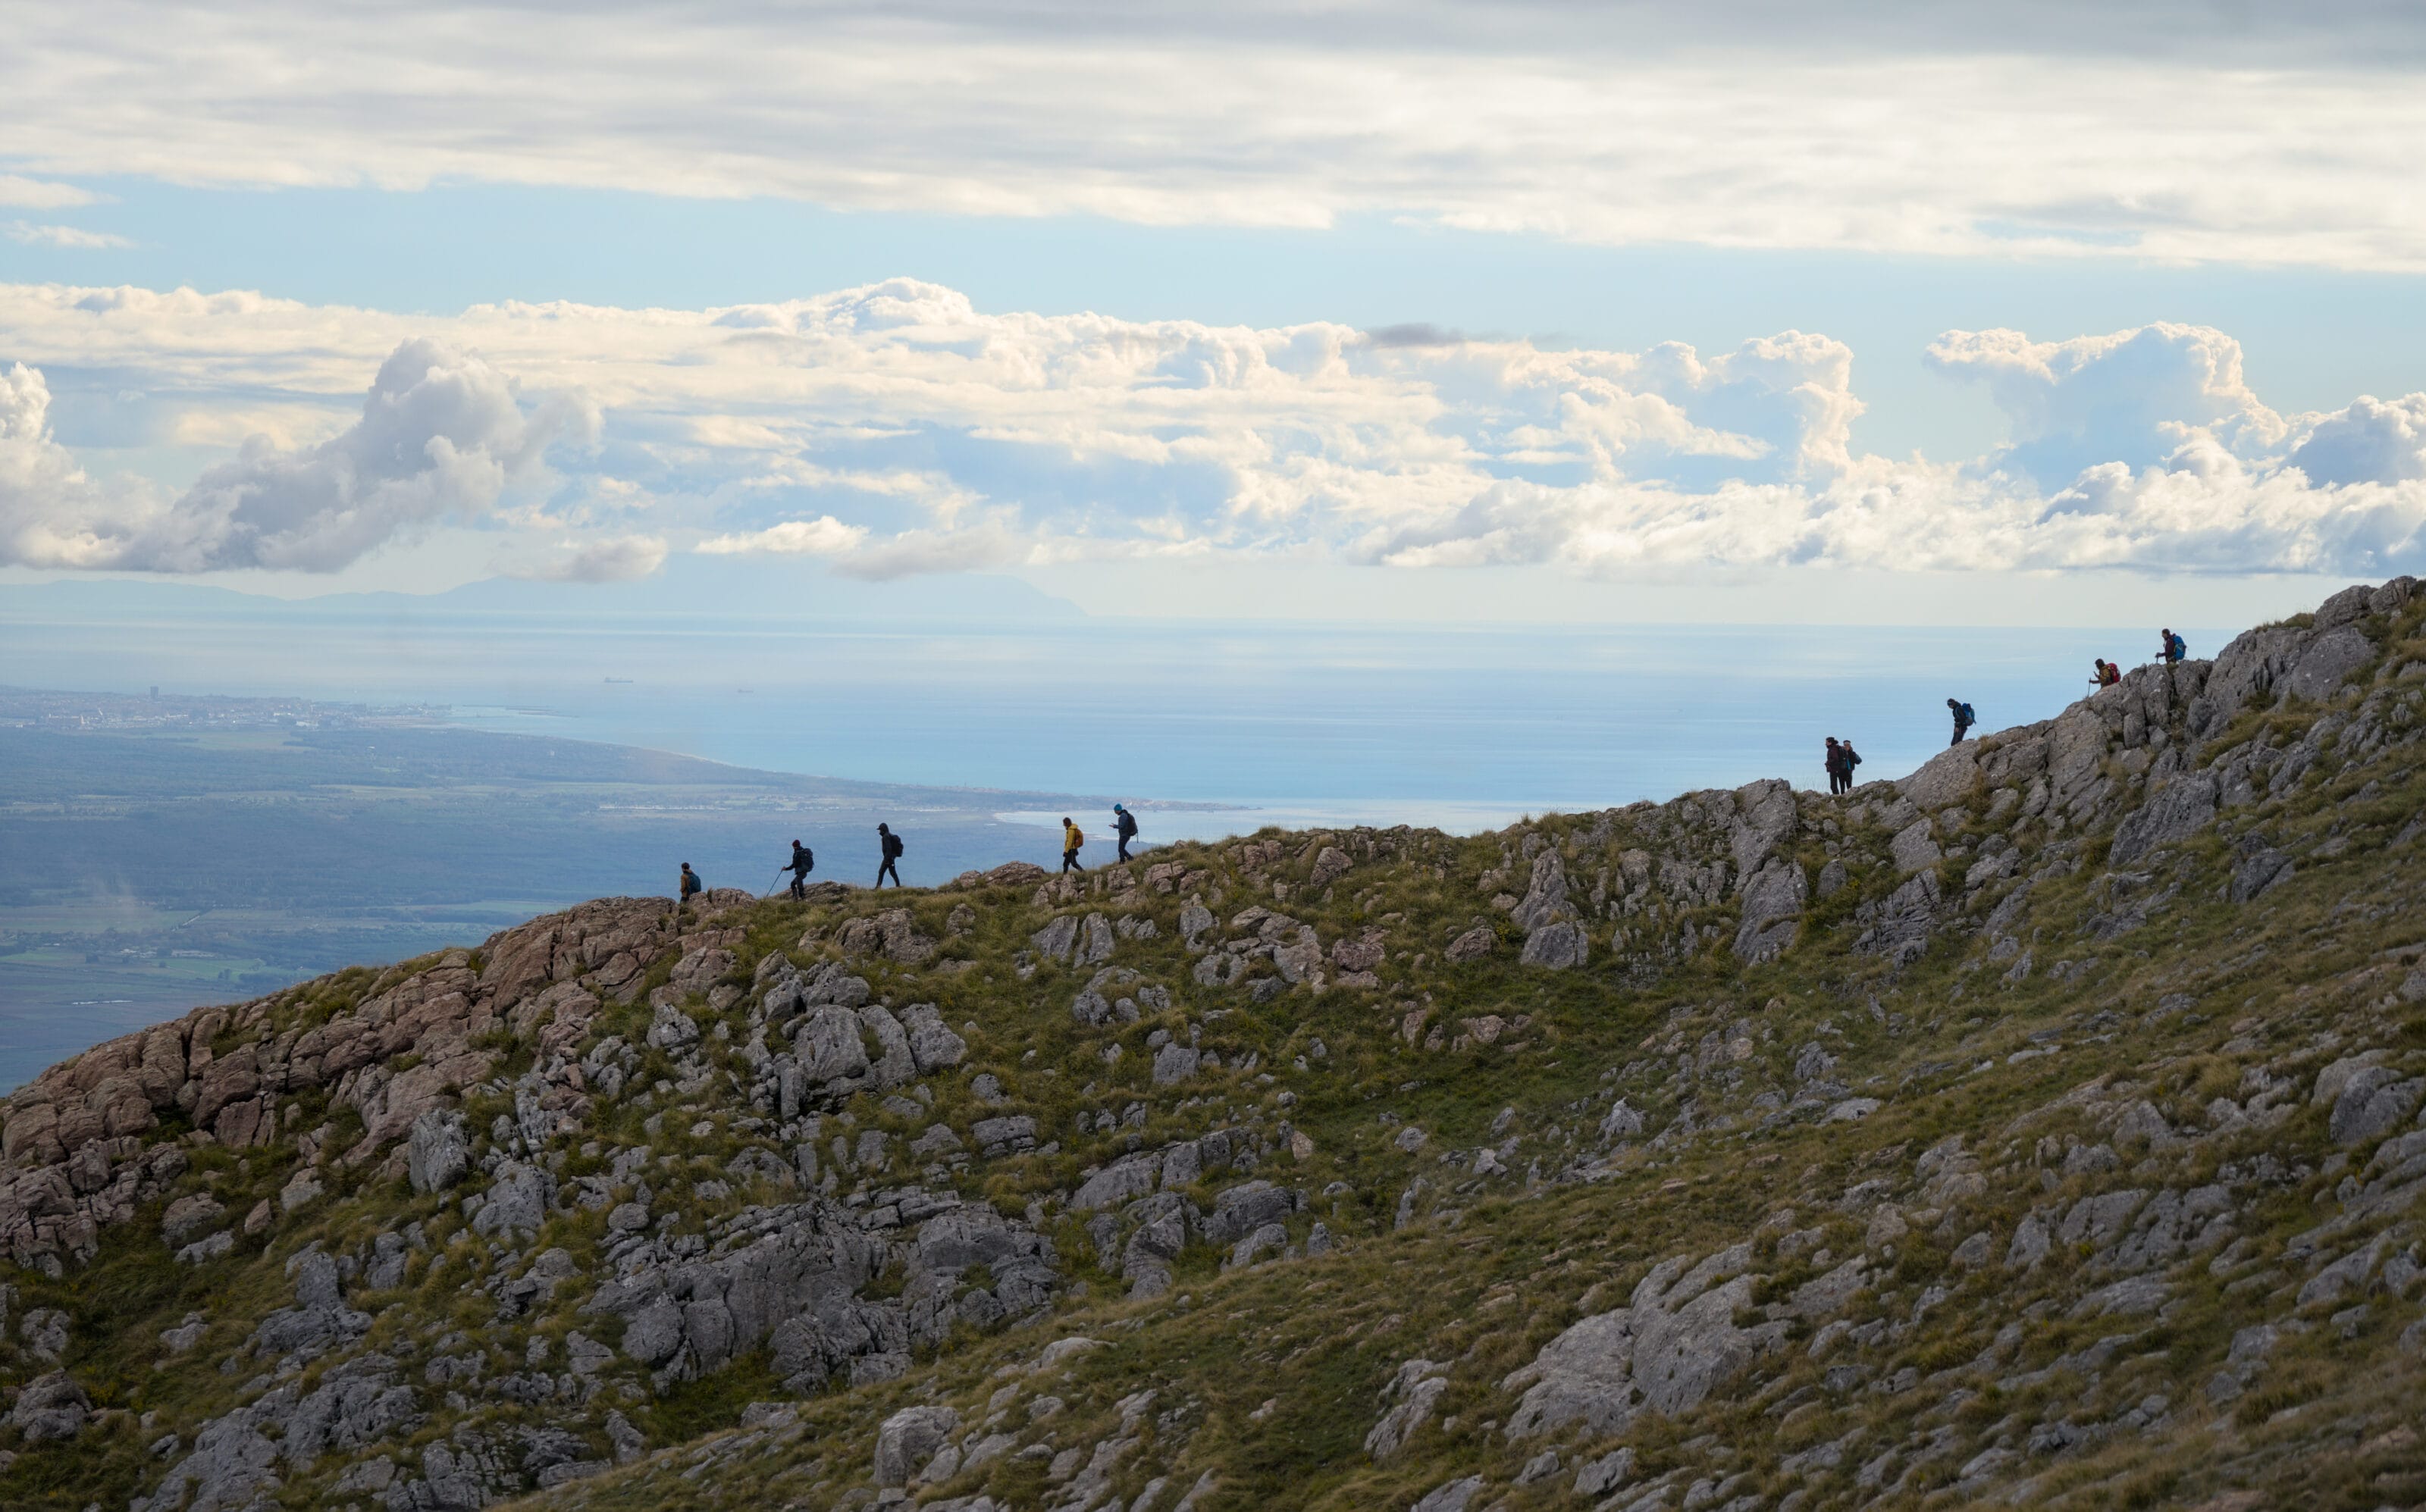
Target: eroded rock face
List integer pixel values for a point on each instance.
(51, 1406)
(440, 1152)
(789, 1278)
(1663, 1353)
(1773, 910)
(908, 1440)
(2181, 809)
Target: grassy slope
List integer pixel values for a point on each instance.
(1269, 1377)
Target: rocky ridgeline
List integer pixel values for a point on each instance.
(845, 1178)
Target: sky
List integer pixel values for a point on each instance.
(1737, 310)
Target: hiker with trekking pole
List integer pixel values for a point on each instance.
(804, 861)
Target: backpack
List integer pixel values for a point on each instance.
(691, 884)
(2180, 647)
(1078, 837)
(1129, 823)
(1853, 757)
(808, 860)
(893, 846)
(1968, 718)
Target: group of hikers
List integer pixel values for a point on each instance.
(1841, 760)
(889, 850)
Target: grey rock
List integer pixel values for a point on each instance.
(1266, 1239)
(209, 1248)
(1117, 1184)
(1474, 945)
(908, 1440)
(1299, 960)
(519, 1200)
(1622, 1121)
(1600, 1477)
(2372, 1103)
(385, 1269)
(626, 1440)
(1057, 940)
(1094, 941)
(1239, 1211)
(439, 1152)
(189, 1213)
(829, 1046)
(1194, 920)
(933, 1044)
(2131, 1297)
(1010, 1134)
(673, 1030)
(2181, 809)
(2340, 1279)
(1662, 1354)
(1220, 968)
(1174, 1062)
(1416, 1388)
(1914, 847)
(1545, 894)
(1899, 926)
(2328, 663)
(1772, 908)
(1556, 946)
(1451, 1497)
(893, 1064)
(50, 1406)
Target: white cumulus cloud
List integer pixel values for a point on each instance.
(607, 559)
(441, 434)
(895, 428)
(27, 233)
(37, 194)
(2169, 129)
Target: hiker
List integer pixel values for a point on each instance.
(804, 861)
(1853, 759)
(1964, 719)
(889, 844)
(1071, 840)
(2108, 674)
(2175, 648)
(1124, 828)
(691, 887)
(1838, 775)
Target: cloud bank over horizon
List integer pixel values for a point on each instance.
(895, 429)
(2173, 129)
(440, 435)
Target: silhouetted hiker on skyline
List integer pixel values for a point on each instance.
(889, 844)
(804, 861)
(691, 887)
(1964, 719)
(1834, 762)
(2175, 648)
(2108, 674)
(1124, 828)
(1071, 840)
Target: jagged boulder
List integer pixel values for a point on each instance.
(50, 1406)
(1669, 1348)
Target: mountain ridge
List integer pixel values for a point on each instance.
(2038, 1127)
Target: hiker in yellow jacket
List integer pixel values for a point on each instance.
(1071, 840)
